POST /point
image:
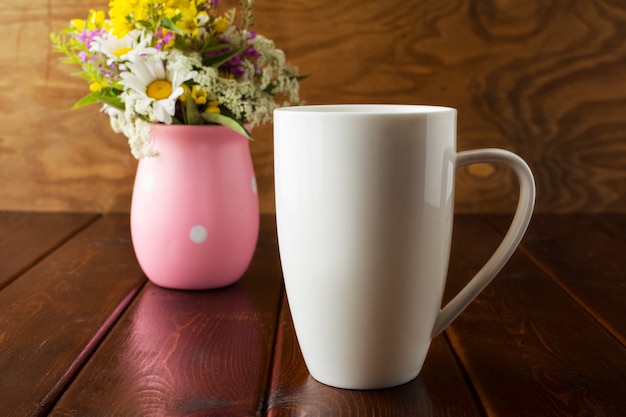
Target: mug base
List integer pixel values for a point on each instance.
(362, 385)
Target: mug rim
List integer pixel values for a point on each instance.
(366, 109)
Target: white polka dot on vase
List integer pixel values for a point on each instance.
(198, 234)
(148, 182)
(254, 186)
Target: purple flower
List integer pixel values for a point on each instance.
(235, 64)
(82, 55)
(163, 39)
(87, 37)
(107, 71)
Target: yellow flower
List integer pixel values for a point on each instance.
(95, 20)
(220, 24)
(188, 25)
(78, 24)
(185, 6)
(141, 11)
(186, 90)
(121, 29)
(98, 85)
(185, 11)
(173, 4)
(120, 11)
(198, 95)
(213, 107)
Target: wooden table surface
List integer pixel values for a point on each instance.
(83, 333)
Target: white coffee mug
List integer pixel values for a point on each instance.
(364, 209)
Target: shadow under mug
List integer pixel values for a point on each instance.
(364, 210)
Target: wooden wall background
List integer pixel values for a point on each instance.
(543, 78)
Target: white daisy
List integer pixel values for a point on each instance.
(155, 89)
(114, 48)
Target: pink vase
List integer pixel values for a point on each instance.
(195, 210)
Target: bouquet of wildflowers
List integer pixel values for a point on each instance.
(177, 62)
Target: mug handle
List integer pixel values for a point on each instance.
(511, 240)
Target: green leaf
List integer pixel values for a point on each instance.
(167, 23)
(218, 60)
(228, 122)
(302, 77)
(216, 47)
(85, 101)
(106, 96)
(191, 114)
(112, 100)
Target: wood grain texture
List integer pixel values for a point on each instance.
(53, 158)
(527, 346)
(543, 79)
(187, 353)
(294, 392)
(79, 337)
(54, 316)
(551, 240)
(27, 238)
(612, 223)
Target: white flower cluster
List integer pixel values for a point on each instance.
(248, 97)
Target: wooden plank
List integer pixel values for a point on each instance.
(185, 353)
(54, 316)
(612, 223)
(585, 260)
(527, 346)
(28, 237)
